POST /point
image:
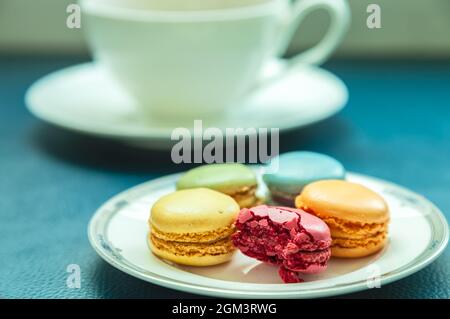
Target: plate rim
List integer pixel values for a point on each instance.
(150, 134)
(406, 270)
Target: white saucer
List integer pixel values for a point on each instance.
(84, 98)
(418, 234)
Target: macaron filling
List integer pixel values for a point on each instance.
(219, 247)
(276, 235)
(342, 242)
(198, 237)
(245, 196)
(283, 198)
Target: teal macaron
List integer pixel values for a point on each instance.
(287, 174)
(233, 179)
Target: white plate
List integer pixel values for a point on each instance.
(84, 98)
(418, 235)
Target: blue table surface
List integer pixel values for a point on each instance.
(396, 126)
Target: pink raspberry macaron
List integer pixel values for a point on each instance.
(296, 241)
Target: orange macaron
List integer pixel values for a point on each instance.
(357, 217)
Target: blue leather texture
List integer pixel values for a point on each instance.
(396, 127)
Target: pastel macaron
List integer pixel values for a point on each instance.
(294, 240)
(233, 179)
(357, 216)
(289, 173)
(193, 227)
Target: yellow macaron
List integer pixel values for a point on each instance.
(357, 217)
(193, 227)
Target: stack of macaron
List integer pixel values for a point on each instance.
(357, 217)
(193, 227)
(314, 214)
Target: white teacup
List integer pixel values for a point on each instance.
(195, 58)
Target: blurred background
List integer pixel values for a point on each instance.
(410, 28)
(395, 127)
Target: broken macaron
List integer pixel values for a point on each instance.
(296, 241)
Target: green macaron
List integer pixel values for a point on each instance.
(233, 179)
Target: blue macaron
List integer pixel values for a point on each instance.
(287, 174)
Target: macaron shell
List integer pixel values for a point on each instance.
(343, 200)
(293, 170)
(289, 217)
(314, 226)
(226, 178)
(190, 260)
(193, 210)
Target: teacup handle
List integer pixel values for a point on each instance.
(340, 20)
